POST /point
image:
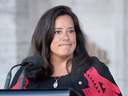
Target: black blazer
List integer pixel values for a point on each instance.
(97, 81)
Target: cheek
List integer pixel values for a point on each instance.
(53, 44)
(74, 42)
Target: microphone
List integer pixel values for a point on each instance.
(33, 63)
(8, 77)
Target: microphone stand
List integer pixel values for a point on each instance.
(21, 85)
(8, 78)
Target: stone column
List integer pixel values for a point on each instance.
(7, 38)
(126, 45)
(27, 16)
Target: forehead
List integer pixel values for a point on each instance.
(64, 20)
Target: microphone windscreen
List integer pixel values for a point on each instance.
(36, 61)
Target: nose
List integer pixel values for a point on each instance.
(65, 36)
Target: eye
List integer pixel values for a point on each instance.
(57, 32)
(71, 31)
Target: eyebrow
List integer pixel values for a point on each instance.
(71, 28)
(67, 28)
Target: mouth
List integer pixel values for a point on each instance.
(65, 45)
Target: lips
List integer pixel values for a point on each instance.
(65, 45)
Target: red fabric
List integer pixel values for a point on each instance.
(98, 85)
(16, 86)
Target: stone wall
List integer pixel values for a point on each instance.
(27, 15)
(126, 43)
(7, 38)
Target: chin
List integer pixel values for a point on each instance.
(67, 55)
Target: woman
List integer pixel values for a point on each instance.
(59, 39)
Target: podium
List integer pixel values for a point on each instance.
(39, 92)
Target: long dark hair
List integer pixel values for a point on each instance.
(42, 38)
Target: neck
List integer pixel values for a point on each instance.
(59, 65)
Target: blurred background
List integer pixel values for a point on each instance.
(105, 23)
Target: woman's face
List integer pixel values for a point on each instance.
(64, 40)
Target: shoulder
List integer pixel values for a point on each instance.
(99, 68)
(99, 77)
(98, 65)
(95, 62)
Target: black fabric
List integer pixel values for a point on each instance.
(102, 70)
(48, 83)
(98, 69)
